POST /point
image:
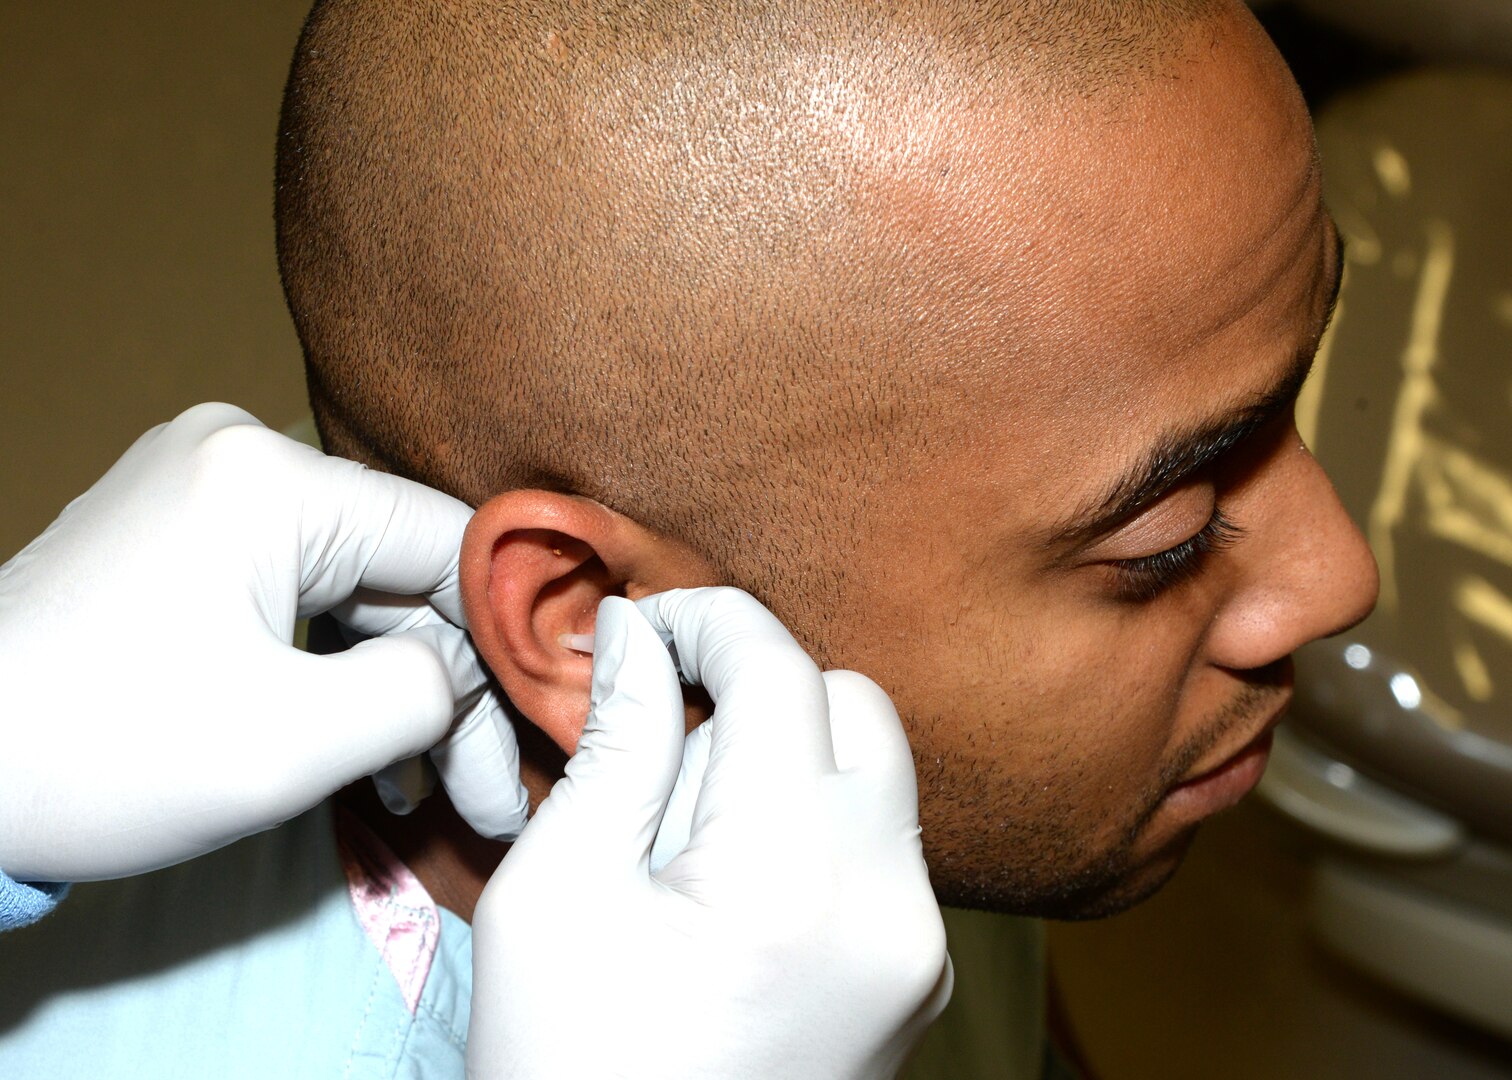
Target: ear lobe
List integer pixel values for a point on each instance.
(535, 565)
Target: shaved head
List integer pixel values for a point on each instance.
(662, 254)
(864, 308)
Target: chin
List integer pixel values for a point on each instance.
(1113, 885)
(1121, 895)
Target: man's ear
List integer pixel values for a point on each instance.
(535, 565)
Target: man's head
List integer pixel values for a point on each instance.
(963, 335)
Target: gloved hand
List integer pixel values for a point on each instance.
(151, 705)
(792, 932)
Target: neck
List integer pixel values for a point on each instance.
(452, 861)
(440, 848)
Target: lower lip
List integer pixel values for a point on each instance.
(1225, 785)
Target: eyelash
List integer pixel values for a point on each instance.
(1145, 578)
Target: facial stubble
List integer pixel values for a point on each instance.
(1042, 862)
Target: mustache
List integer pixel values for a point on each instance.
(1263, 690)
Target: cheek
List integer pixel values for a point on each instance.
(1050, 691)
(1108, 689)
(1025, 697)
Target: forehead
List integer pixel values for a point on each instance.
(1123, 265)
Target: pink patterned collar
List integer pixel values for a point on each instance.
(395, 910)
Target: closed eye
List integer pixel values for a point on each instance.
(1147, 577)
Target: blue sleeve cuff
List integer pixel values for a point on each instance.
(22, 903)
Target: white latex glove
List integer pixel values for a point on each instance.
(795, 936)
(152, 707)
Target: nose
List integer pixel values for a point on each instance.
(1307, 571)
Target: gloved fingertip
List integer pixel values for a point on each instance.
(611, 643)
(502, 819)
(405, 784)
(479, 764)
(515, 821)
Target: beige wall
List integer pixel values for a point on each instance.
(137, 274)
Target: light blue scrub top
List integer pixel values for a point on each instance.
(248, 962)
(252, 962)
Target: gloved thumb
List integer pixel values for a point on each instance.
(870, 741)
(618, 781)
(384, 699)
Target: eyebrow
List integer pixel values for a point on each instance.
(1179, 455)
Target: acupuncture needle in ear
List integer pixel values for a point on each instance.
(582, 643)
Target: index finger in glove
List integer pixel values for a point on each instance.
(375, 613)
(771, 709)
(608, 805)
